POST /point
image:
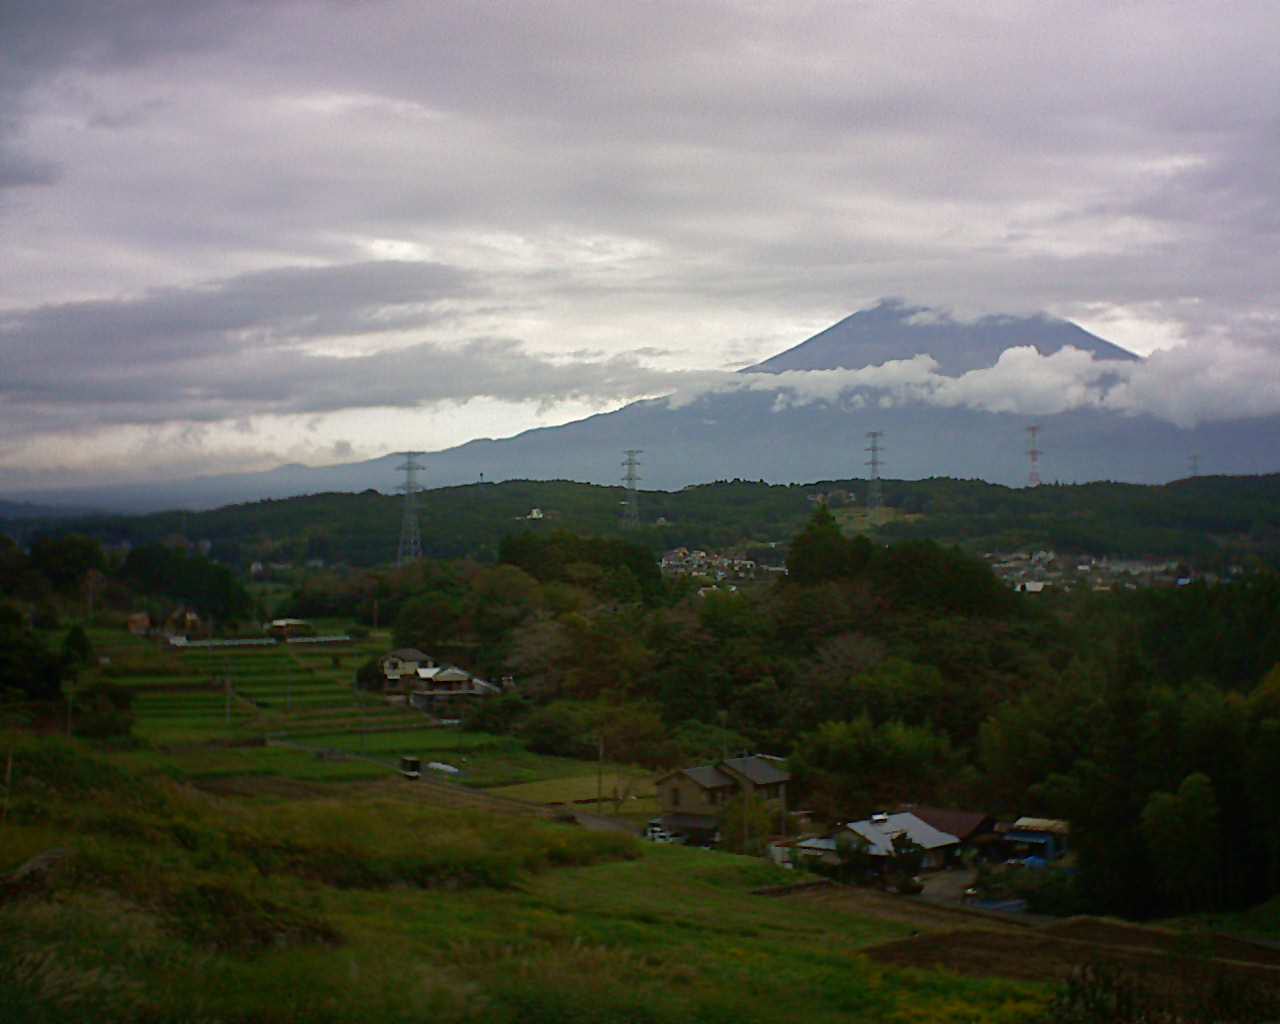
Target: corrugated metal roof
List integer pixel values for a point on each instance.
(880, 835)
(1053, 826)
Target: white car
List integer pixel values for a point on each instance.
(656, 832)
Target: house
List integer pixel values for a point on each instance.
(139, 623)
(400, 668)
(691, 799)
(878, 834)
(446, 691)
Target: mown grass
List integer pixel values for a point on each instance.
(175, 905)
(627, 792)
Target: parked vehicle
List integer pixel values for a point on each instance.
(656, 832)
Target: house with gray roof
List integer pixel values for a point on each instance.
(447, 691)
(400, 667)
(883, 835)
(692, 799)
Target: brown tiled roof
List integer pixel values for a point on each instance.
(961, 824)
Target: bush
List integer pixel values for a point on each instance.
(103, 711)
(501, 715)
(563, 728)
(76, 648)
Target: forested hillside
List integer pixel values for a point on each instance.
(1206, 520)
(885, 674)
(894, 674)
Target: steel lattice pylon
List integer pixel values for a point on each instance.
(631, 505)
(410, 539)
(874, 497)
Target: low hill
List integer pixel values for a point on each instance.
(1204, 518)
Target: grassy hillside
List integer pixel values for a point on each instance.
(168, 903)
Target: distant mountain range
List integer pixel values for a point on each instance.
(761, 433)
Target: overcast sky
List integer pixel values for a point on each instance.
(234, 233)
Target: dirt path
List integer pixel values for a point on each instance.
(921, 914)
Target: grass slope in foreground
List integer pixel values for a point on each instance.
(172, 904)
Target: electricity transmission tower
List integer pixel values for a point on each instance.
(631, 504)
(1193, 463)
(1033, 456)
(874, 498)
(410, 538)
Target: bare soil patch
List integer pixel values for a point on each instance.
(1039, 955)
(264, 785)
(1203, 944)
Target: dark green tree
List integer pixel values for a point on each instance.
(76, 648)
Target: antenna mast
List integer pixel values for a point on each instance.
(1033, 456)
(410, 539)
(874, 497)
(631, 505)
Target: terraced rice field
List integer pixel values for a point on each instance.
(232, 694)
(208, 714)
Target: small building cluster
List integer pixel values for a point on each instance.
(1033, 572)
(686, 562)
(695, 809)
(445, 691)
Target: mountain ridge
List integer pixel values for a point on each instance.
(767, 433)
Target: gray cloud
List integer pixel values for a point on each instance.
(271, 186)
(228, 350)
(262, 310)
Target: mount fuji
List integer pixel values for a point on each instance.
(948, 397)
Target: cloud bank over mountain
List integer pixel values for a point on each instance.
(1182, 386)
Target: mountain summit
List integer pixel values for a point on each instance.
(892, 329)
(943, 420)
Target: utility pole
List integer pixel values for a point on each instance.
(410, 539)
(599, 771)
